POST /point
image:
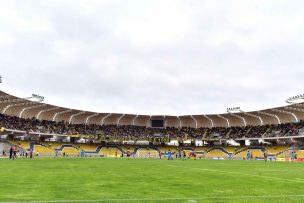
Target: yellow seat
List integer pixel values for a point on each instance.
(70, 151)
(147, 153)
(300, 153)
(87, 147)
(42, 150)
(276, 149)
(21, 143)
(216, 153)
(254, 152)
(110, 152)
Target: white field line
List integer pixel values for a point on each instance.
(271, 178)
(163, 199)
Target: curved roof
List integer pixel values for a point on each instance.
(25, 108)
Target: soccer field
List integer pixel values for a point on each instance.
(149, 180)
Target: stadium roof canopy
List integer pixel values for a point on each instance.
(27, 108)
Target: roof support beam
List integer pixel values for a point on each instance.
(46, 110)
(133, 122)
(222, 117)
(149, 121)
(120, 119)
(32, 107)
(76, 114)
(105, 117)
(180, 121)
(254, 116)
(62, 112)
(286, 112)
(271, 115)
(19, 104)
(194, 121)
(211, 121)
(91, 116)
(240, 117)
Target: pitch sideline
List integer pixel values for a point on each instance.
(162, 199)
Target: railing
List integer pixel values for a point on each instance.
(213, 137)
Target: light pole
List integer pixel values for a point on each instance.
(38, 97)
(295, 99)
(234, 110)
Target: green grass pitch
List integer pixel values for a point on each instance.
(149, 180)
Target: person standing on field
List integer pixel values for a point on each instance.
(31, 153)
(128, 154)
(265, 155)
(11, 153)
(169, 154)
(248, 155)
(292, 156)
(14, 153)
(82, 154)
(56, 153)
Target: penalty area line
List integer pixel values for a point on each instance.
(161, 199)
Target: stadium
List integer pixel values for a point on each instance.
(36, 130)
(151, 101)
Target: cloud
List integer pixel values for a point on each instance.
(153, 57)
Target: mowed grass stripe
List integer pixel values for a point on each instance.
(167, 199)
(46, 179)
(271, 178)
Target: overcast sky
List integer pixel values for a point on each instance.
(153, 56)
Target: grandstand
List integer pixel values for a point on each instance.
(44, 128)
(153, 152)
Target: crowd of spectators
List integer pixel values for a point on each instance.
(143, 133)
